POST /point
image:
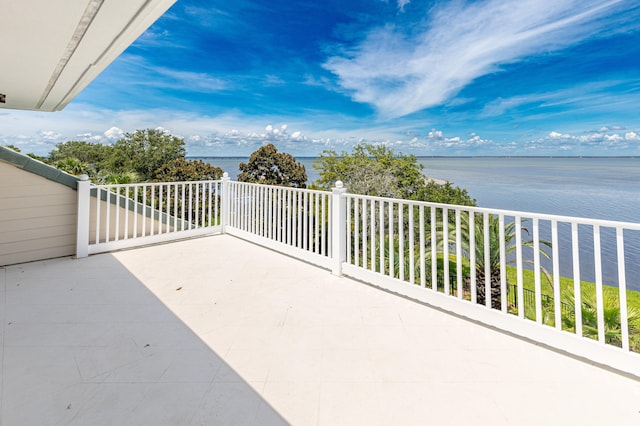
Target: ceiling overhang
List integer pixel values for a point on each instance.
(52, 49)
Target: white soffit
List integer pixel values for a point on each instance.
(52, 49)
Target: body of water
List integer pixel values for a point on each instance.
(599, 188)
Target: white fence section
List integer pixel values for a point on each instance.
(503, 268)
(557, 280)
(113, 217)
(297, 222)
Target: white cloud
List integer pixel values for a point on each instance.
(403, 3)
(400, 70)
(234, 134)
(557, 135)
(113, 133)
(50, 135)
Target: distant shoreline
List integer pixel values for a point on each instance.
(240, 157)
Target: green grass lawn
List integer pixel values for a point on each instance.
(611, 302)
(566, 287)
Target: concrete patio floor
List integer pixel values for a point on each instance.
(218, 331)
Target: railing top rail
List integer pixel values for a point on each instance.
(138, 184)
(542, 216)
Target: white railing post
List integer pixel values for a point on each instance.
(338, 228)
(225, 202)
(82, 221)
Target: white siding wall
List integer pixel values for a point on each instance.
(37, 217)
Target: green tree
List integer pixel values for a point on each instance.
(376, 170)
(270, 167)
(371, 170)
(74, 166)
(38, 157)
(444, 194)
(94, 154)
(510, 232)
(110, 178)
(13, 147)
(181, 170)
(144, 152)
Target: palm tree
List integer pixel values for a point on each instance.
(110, 178)
(612, 323)
(74, 166)
(510, 233)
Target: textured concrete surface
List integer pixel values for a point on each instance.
(219, 331)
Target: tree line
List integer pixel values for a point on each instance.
(154, 155)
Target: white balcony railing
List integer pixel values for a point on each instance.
(296, 221)
(112, 217)
(520, 272)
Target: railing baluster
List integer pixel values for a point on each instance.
(412, 264)
(152, 221)
(392, 243)
(169, 213)
(203, 205)
(423, 280)
(349, 203)
(329, 225)
(262, 216)
(268, 214)
(445, 246)
(252, 206)
(434, 250)
(622, 287)
(305, 223)
(165, 218)
(184, 206)
(364, 233)
(160, 209)
(323, 246)
(117, 213)
(536, 269)
(290, 217)
(381, 261)
(241, 210)
(520, 283)
(144, 210)
(275, 194)
(317, 223)
(175, 207)
(135, 232)
(401, 241)
(374, 252)
(557, 306)
(126, 212)
(597, 255)
(108, 215)
(210, 208)
(98, 205)
(503, 265)
(191, 206)
(299, 223)
(356, 231)
(577, 292)
(488, 296)
(256, 208)
(458, 255)
(277, 201)
(472, 258)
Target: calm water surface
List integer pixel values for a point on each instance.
(600, 188)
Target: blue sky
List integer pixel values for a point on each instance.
(496, 77)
